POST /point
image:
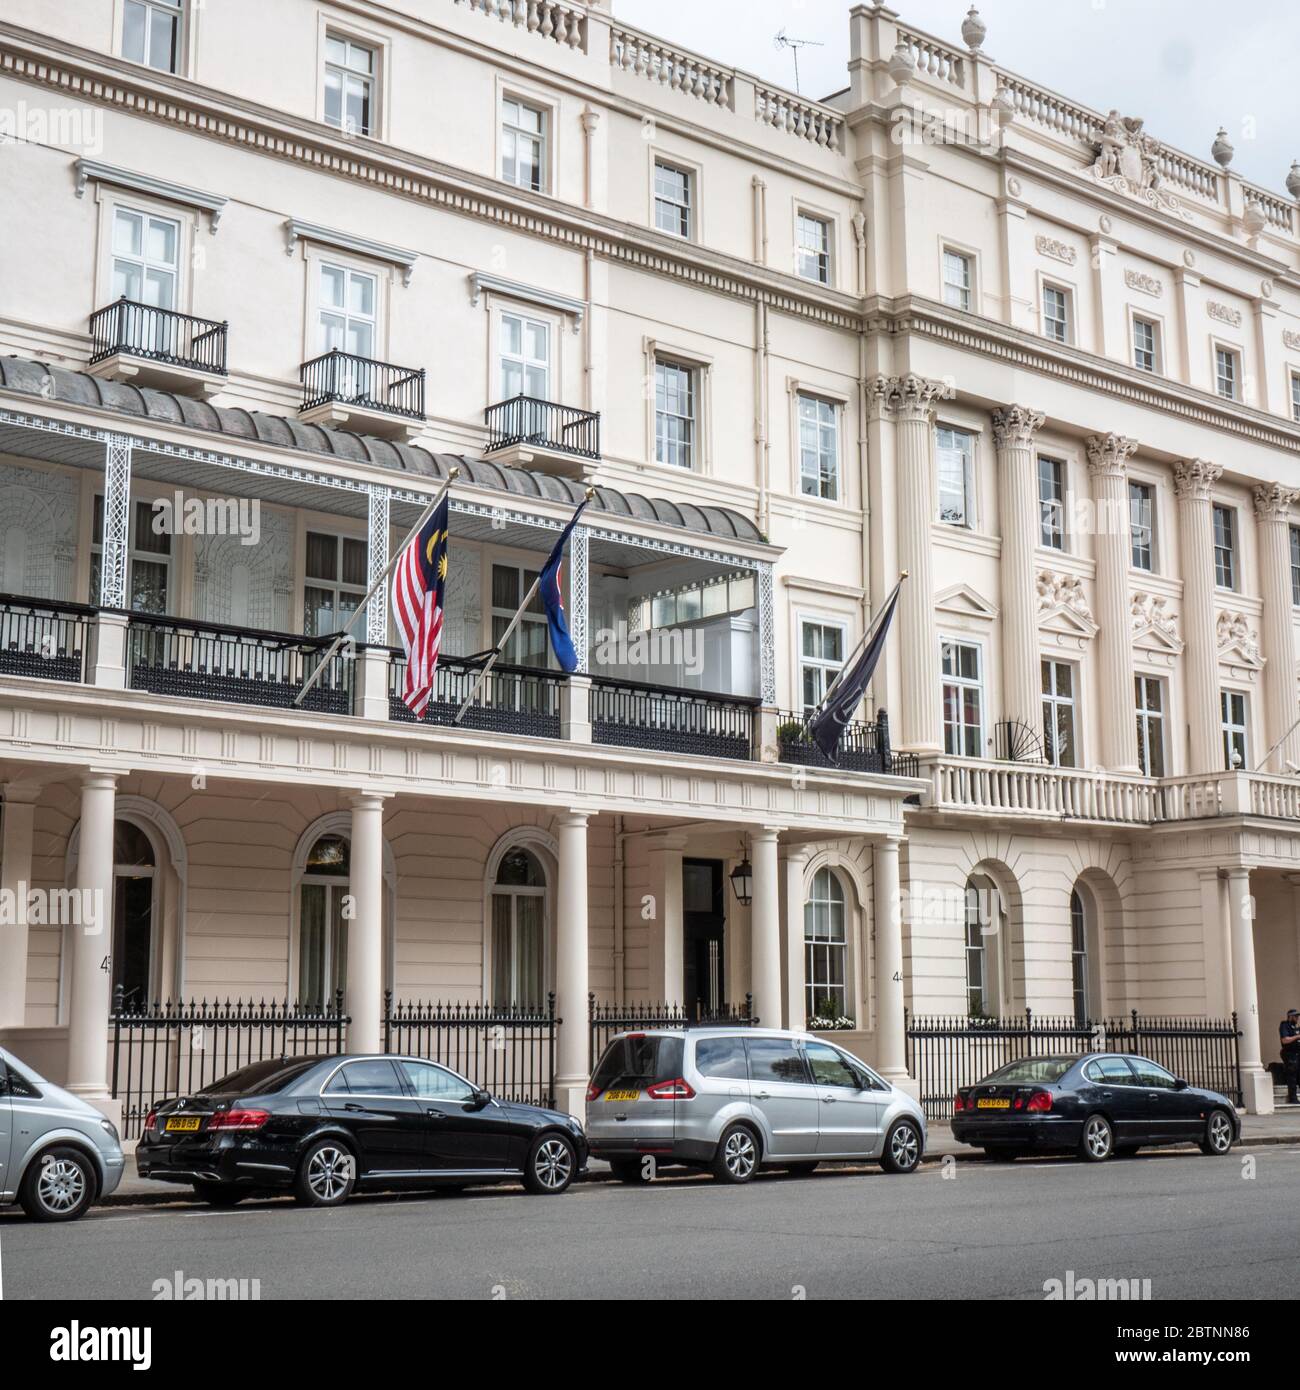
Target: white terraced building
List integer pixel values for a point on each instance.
(943, 321)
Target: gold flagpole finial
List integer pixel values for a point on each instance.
(591, 492)
(453, 473)
(902, 574)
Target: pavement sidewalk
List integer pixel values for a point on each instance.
(1282, 1127)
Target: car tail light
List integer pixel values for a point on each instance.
(593, 1091)
(1039, 1102)
(676, 1089)
(239, 1119)
(151, 1119)
(958, 1102)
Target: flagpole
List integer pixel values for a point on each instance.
(452, 474)
(504, 638)
(862, 642)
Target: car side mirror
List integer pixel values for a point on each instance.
(481, 1098)
(1180, 1084)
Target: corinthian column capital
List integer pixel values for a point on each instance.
(1016, 425)
(907, 397)
(1108, 454)
(1274, 502)
(1194, 479)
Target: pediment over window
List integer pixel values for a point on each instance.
(1155, 628)
(1063, 611)
(965, 602)
(1239, 652)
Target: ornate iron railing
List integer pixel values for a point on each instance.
(606, 1020)
(513, 699)
(864, 747)
(170, 656)
(47, 640)
(160, 335)
(361, 381)
(527, 420)
(626, 714)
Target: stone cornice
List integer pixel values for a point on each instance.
(1014, 426)
(1194, 480)
(1108, 454)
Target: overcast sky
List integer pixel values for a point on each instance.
(1186, 66)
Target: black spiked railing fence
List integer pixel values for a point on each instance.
(605, 1020)
(945, 1053)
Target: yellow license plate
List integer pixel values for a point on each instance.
(992, 1105)
(621, 1095)
(183, 1124)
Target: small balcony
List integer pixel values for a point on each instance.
(362, 395)
(526, 432)
(864, 747)
(148, 346)
(512, 700)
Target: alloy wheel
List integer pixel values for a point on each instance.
(1220, 1133)
(739, 1154)
(553, 1164)
(904, 1147)
(61, 1185)
(329, 1173)
(1097, 1137)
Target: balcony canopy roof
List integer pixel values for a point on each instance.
(51, 383)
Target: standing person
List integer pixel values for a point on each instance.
(1289, 1034)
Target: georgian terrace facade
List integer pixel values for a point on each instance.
(945, 321)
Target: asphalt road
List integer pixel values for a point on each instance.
(1198, 1228)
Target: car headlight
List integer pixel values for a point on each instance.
(110, 1129)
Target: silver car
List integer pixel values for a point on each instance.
(736, 1099)
(57, 1154)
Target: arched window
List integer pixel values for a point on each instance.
(519, 931)
(825, 948)
(978, 992)
(133, 913)
(1079, 955)
(322, 927)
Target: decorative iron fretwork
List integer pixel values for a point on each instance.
(376, 561)
(117, 518)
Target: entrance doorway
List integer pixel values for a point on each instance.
(133, 893)
(704, 986)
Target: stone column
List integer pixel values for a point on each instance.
(1273, 513)
(765, 928)
(910, 401)
(891, 1044)
(573, 1066)
(666, 962)
(19, 812)
(365, 985)
(1193, 484)
(1013, 434)
(1257, 1084)
(91, 975)
(794, 864)
(1108, 456)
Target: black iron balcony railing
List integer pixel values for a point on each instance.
(700, 723)
(527, 420)
(864, 747)
(203, 661)
(361, 381)
(160, 335)
(1014, 741)
(44, 639)
(513, 700)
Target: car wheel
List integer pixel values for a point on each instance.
(1098, 1140)
(219, 1194)
(631, 1171)
(902, 1152)
(58, 1186)
(736, 1160)
(1218, 1134)
(326, 1175)
(551, 1166)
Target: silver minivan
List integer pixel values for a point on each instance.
(733, 1100)
(57, 1153)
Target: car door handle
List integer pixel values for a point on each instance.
(830, 1100)
(1108, 1095)
(762, 1095)
(357, 1109)
(436, 1114)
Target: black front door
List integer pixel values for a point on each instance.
(132, 937)
(703, 921)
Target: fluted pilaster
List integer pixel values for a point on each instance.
(1193, 485)
(1273, 512)
(1108, 456)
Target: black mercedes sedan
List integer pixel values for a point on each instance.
(323, 1127)
(1095, 1105)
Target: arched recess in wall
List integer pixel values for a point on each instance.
(994, 939)
(518, 935)
(817, 920)
(1103, 922)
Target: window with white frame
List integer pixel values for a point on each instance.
(529, 644)
(812, 247)
(819, 447)
(676, 419)
(323, 921)
(1295, 566)
(348, 310)
(146, 258)
(334, 581)
(1056, 313)
(963, 700)
(148, 559)
(1051, 503)
(821, 648)
(955, 462)
(1059, 727)
(1079, 956)
(977, 980)
(691, 603)
(524, 356)
(519, 932)
(1295, 396)
(825, 948)
(673, 201)
(1146, 344)
(1225, 547)
(958, 277)
(151, 33)
(1227, 373)
(1232, 714)
(523, 144)
(350, 76)
(1150, 700)
(1141, 525)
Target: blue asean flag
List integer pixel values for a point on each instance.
(827, 726)
(551, 587)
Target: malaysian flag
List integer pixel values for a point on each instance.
(418, 579)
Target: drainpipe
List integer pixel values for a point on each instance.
(762, 450)
(620, 837)
(588, 328)
(864, 484)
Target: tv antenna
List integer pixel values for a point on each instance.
(783, 40)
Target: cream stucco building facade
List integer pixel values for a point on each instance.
(944, 321)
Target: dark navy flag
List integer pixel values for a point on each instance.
(827, 726)
(551, 587)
